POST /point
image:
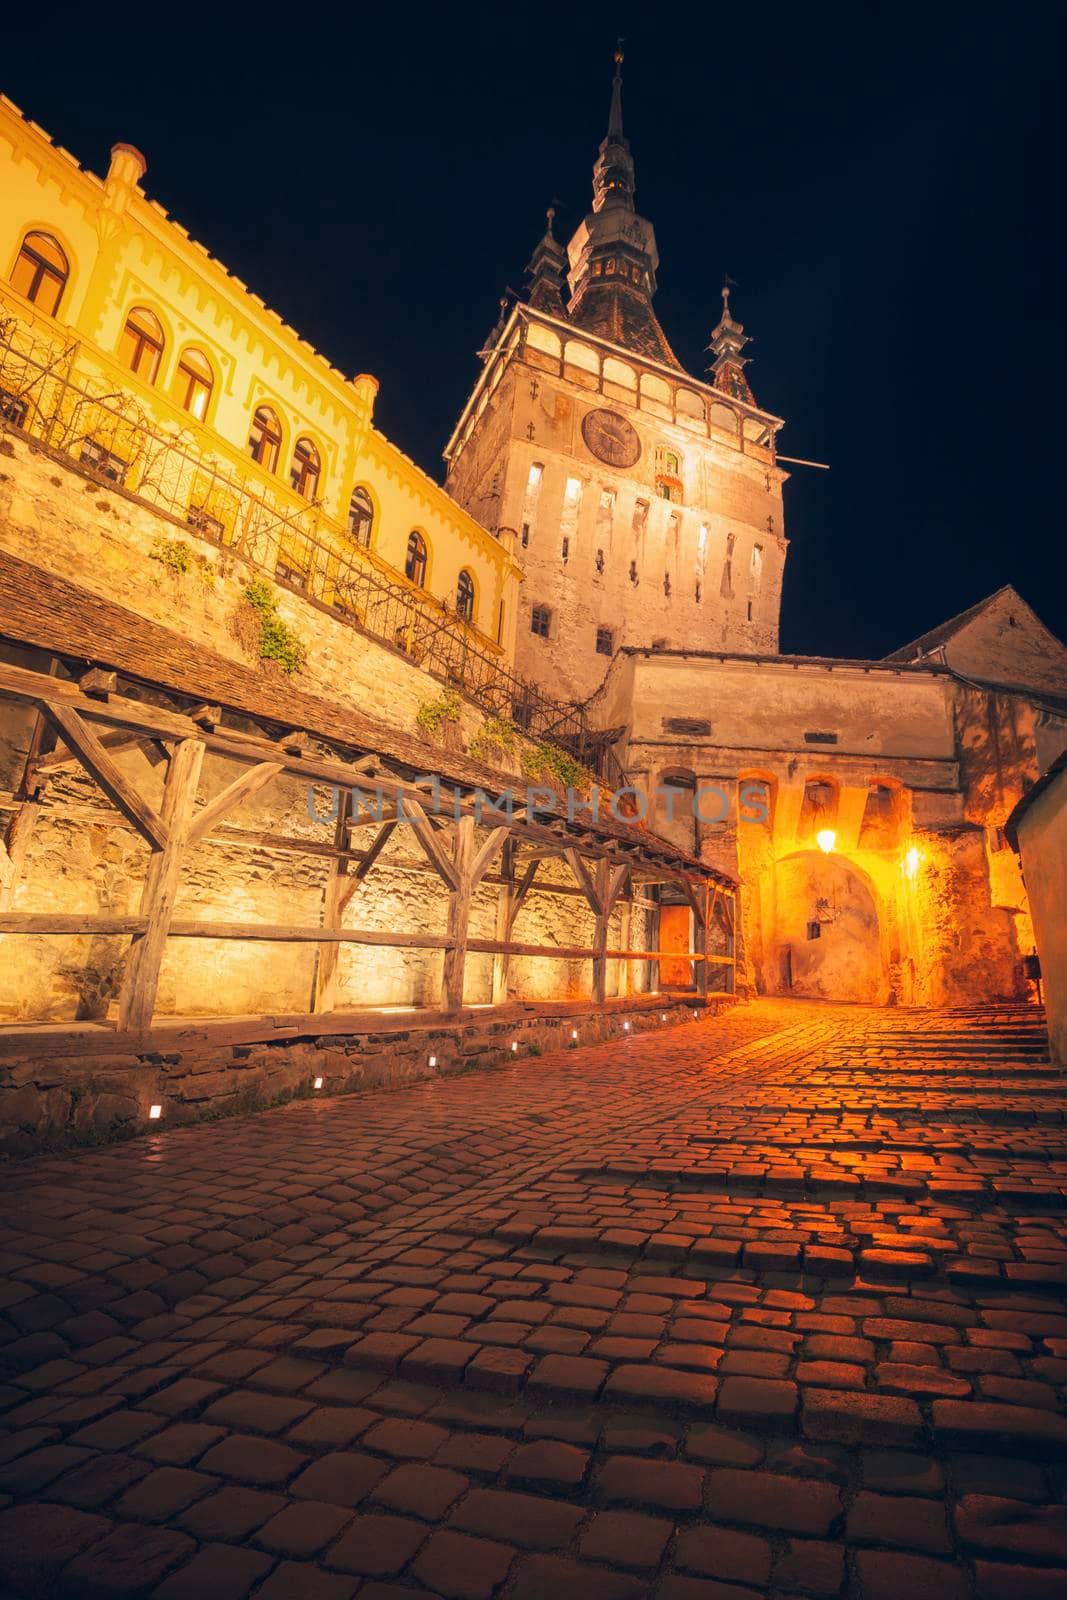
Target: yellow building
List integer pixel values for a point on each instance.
(126, 345)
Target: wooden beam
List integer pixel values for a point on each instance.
(324, 995)
(600, 931)
(459, 905)
(583, 878)
(102, 769)
(37, 922)
(625, 935)
(487, 854)
(419, 823)
(341, 886)
(285, 933)
(27, 797)
(156, 722)
(98, 681)
(62, 760)
(137, 997)
(525, 885)
(504, 900)
(243, 787)
(696, 900)
(357, 877)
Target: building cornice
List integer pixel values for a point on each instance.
(677, 376)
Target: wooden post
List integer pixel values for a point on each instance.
(504, 901)
(626, 942)
(341, 885)
(600, 932)
(138, 996)
(20, 829)
(459, 905)
(325, 995)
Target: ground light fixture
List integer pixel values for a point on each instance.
(514, 1044)
(155, 1112)
(826, 838)
(433, 1061)
(318, 1083)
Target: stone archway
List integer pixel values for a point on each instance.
(826, 939)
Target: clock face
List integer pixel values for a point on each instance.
(611, 438)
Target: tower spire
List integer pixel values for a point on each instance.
(613, 171)
(728, 340)
(546, 271)
(613, 256)
(615, 114)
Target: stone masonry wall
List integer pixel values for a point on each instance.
(76, 1092)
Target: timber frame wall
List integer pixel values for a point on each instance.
(84, 711)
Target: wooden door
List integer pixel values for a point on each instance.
(674, 973)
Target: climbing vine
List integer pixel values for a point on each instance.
(496, 737)
(177, 557)
(277, 641)
(432, 715)
(548, 760)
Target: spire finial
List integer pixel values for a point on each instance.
(550, 217)
(615, 116)
(728, 340)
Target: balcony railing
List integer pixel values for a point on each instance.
(60, 394)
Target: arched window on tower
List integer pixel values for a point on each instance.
(141, 344)
(265, 439)
(415, 561)
(304, 472)
(360, 517)
(193, 382)
(41, 271)
(465, 596)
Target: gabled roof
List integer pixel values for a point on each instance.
(927, 643)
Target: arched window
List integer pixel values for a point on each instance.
(465, 596)
(360, 517)
(265, 439)
(141, 344)
(193, 382)
(41, 271)
(415, 562)
(304, 472)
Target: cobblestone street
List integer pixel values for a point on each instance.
(767, 1304)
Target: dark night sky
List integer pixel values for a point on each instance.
(882, 185)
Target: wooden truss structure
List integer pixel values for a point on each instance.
(83, 720)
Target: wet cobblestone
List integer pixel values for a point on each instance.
(769, 1304)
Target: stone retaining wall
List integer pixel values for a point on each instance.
(91, 1086)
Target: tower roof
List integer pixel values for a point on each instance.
(613, 255)
(546, 270)
(728, 339)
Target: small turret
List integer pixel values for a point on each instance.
(547, 271)
(728, 340)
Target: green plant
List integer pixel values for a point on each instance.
(432, 714)
(548, 760)
(496, 737)
(174, 554)
(277, 641)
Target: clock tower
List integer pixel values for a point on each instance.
(646, 505)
